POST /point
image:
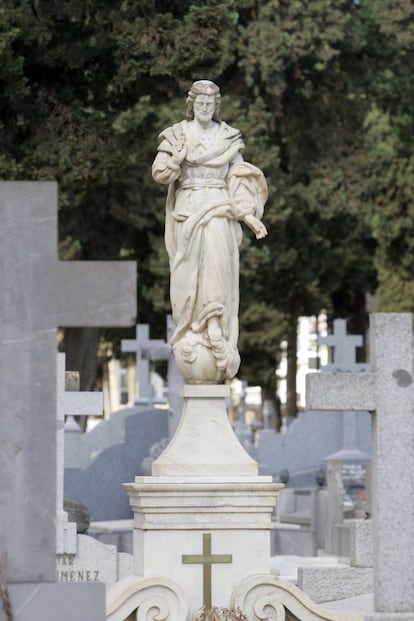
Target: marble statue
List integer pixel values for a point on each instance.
(211, 189)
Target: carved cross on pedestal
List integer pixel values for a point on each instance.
(387, 391)
(207, 559)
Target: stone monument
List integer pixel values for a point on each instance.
(210, 190)
(386, 391)
(38, 293)
(202, 520)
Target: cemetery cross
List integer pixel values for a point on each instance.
(141, 346)
(387, 391)
(38, 294)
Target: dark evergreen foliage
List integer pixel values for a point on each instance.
(322, 92)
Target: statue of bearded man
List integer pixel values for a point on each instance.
(211, 190)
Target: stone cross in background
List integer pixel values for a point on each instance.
(150, 350)
(38, 293)
(344, 357)
(387, 391)
(142, 346)
(70, 402)
(345, 345)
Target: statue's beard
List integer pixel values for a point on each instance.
(205, 118)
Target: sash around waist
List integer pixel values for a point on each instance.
(206, 182)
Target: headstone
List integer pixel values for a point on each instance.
(344, 355)
(70, 402)
(386, 391)
(98, 483)
(310, 439)
(313, 437)
(80, 558)
(81, 449)
(299, 529)
(94, 561)
(342, 580)
(37, 294)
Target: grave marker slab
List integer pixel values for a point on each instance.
(387, 392)
(94, 562)
(38, 293)
(70, 402)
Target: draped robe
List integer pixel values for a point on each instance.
(208, 194)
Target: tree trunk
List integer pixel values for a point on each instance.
(291, 401)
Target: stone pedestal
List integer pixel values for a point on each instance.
(175, 519)
(202, 529)
(204, 518)
(204, 442)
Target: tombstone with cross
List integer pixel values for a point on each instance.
(70, 402)
(349, 458)
(148, 350)
(38, 294)
(387, 391)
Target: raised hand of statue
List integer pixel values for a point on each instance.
(179, 150)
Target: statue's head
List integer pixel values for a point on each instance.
(203, 87)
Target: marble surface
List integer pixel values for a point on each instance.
(268, 597)
(93, 562)
(136, 596)
(210, 191)
(172, 515)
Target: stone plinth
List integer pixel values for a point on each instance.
(204, 442)
(174, 517)
(203, 518)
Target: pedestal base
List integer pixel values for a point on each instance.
(205, 533)
(204, 442)
(204, 518)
